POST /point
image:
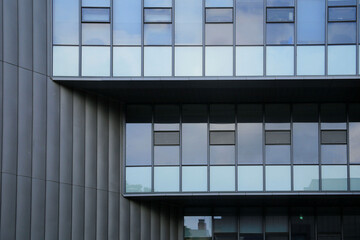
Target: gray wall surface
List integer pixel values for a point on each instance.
(60, 168)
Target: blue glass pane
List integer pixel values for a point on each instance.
(166, 179)
(342, 60)
(222, 154)
(334, 178)
(333, 154)
(157, 34)
(194, 143)
(310, 60)
(250, 142)
(157, 61)
(280, 15)
(138, 144)
(342, 14)
(157, 15)
(95, 3)
(341, 2)
(219, 61)
(127, 61)
(355, 178)
(219, 15)
(95, 15)
(218, 3)
(95, 61)
(194, 179)
(188, 22)
(166, 155)
(65, 61)
(249, 22)
(280, 33)
(222, 178)
(249, 61)
(277, 154)
(198, 227)
(127, 22)
(65, 22)
(279, 61)
(218, 34)
(250, 178)
(306, 178)
(354, 142)
(95, 34)
(280, 3)
(138, 179)
(188, 61)
(278, 178)
(311, 21)
(343, 32)
(157, 3)
(305, 143)
(276, 221)
(251, 221)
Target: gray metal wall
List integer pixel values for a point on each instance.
(60, 148)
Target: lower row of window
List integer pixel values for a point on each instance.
(249, 178)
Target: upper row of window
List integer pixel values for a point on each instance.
(158, 19)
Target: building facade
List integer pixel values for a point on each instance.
(180, 119)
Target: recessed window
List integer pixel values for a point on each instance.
(95, 15)
(277, 138)
(159, 15)
(280, 15)
(166, 138)
(333, 137)
(342, 14)
(219, 15)
(222, 138)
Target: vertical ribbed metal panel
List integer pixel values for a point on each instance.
(164, 223)
(145, 221)
(155, 221)
(90, 214)
(124, 219)
(114, 216)
(23, 208)
(114, 147)
(78, 139)
(25, 33)
(52, 211)
(65, 199)
(40, 36)
(10, 31)
(135, 220)
(78, 206)
(102, 145)
(8, 206)
(90, 141)
(38, 209)
(102, 215)
(173, 223)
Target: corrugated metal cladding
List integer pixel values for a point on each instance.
(60, 148)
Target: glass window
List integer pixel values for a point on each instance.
(222, 154)
(339, 14)
(343, 32)
(278, 178)
(277, 113)
(249, 61)
(354, 178)
(188, 22)
(199, 227)
(280, 33)
(341, 2)
(306, 178)
(249, 113)
(138, 143)
(218, 61)
(280, 15)
(157, 61)
(277, 137)
(166, 138)
(222, 138)
(305, 143)
(250, 142)
(194, 179)
(222, 178)
(166, 155)
(351, 223)
(280, 3)
(96, 3)
(157, 3)
(194, 143)
(302, 223)
(334, 178)
(65, 61)
(167, 114)
(333, 154)
(157, 34)
(95, 34)
(329, 223)
(333, 116)
(225, 225)
(250, 178)
(92, 15)
(249, 22)
(222, 113)
(310, 60)
(157, 15)
(95, 61)
(277, 154)
(127, 61)
(127, 22)
(333, 137)
(65, 22)
(311, 21)
(276, 223)
(138, 179)
(218, 34)
(166, 179)
(354, 142)
(219, 15)
(188, 61)
(138, 114)
(251, 224)
(280, 60)
(218, 3)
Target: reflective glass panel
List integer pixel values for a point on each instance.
(218, 34)
(342, 14)
(277, 154)
(194, 143)
(157, 3)
(311, 21)
(277, 116)
(95, 3)
(310, 60)
(65, 61)
(343, 32)
(188, 61)
(157, 61)
(280, 3)
(305, 112)
(65, 22)
(329, 222)
(157, 34)
(250, 178)
(166, 114)
(225, 226)
(280, 33)
(341, 2)
(95, 15)
(198, 227)
(166, 179)
(305, 143)
(222, 113)
(194, 179)
(333, 154)
(188, 22)
(222, 154)
(278, 178)
(218, 61)
(276, 220)
(157, 15)
(138, 143)
(334, 178)
(280, 60)
(280, 15)
(351, 223)
(354, 142)
(127, 61)
(138, 113)
(127, 22)
(354, 178)
(249, 61)
(250, 143)
(219, 15)
(95, 34)
(194, 113)
(222, 178)
(333, 116)
(138, 179)
(95, 61)
(166, 155)
(306, 178)
(302, 224)
(249, 22)
(218, 3)
(251, 223)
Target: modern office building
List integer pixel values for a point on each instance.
(179, 119)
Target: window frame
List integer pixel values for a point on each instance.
(340, 21)
(226, 22)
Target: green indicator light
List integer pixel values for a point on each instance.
(301, 217)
